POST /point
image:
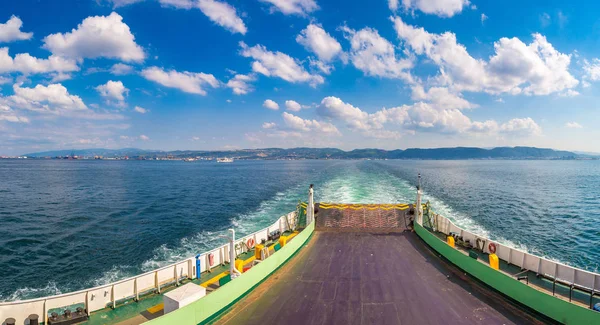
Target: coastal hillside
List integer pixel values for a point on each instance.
(325, 153)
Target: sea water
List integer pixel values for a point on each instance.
(69, 225)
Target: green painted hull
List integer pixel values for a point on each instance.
(211, 306)
(554, 308)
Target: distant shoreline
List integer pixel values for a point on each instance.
(458, 153)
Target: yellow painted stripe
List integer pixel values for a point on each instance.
(157, 308)
(214, 280)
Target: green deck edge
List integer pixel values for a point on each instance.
(213, 305)
(552, 307)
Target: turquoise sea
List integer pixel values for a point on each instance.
(68, 225)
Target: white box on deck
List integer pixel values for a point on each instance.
(182, 296)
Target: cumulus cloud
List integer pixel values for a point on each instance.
(140, 110)
(447, 8)
(292, 105)
(269, 125)
(484, 17)
(592, 69)
(223, 15)
(144, 137)
(573, 125)
(8, 115)
(376, 56)
(53, 96)
(120, 69)
(11, 31)
(188, 82)
(440, 97)
(240, 84)
(421, 116)
(219, 12)
(113, 90)
(534, 69)
(521, 126)
(96, 37)
(27, 64)
(271, 105)
(280, 65)
(293, 7)
(299, 124)
(277, 64)
(316, 40)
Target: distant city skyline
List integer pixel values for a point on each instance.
(219, 75)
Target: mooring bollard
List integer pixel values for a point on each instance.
(33, 319)
(10, 321)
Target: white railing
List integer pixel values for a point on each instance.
(554, 270)
(108, 295)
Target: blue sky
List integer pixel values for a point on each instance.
(208, 74)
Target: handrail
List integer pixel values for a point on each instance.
(446, 229)
(39, 305)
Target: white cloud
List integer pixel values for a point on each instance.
(11, 31)
(422, 116)
(140, 110)
(188, 82)
(59, 76)
(592, 69)
(293, 7)
(7, 114)
(144, 137)
(27, 64)
(483, 18)
(271, 105)
(298, 124)
(376, 56)
(569, 93)
(292, 105)
(179, 4)
(120, 69)
(268, 125)
(5, 80)
(440, 97)
(240, 84)
(223, 15)
(534, 69)
(315, 39)
(14, 118)
(113, 90)
(46, 97)
(573, 125)
(95, 37)
(521, 126)
(122, 3)
(354, 117)
(280, 65)
(444, 8)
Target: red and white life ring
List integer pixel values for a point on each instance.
(492, 248)
(211, 259)
(250, 242)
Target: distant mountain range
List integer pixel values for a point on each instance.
(328, 153)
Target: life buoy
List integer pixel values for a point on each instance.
(250, 243)
(492, 248)
(211, 259)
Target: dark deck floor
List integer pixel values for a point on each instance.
(365, 278)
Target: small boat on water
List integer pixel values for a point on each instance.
(225, 160)
(189, 159)
(343, 263)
